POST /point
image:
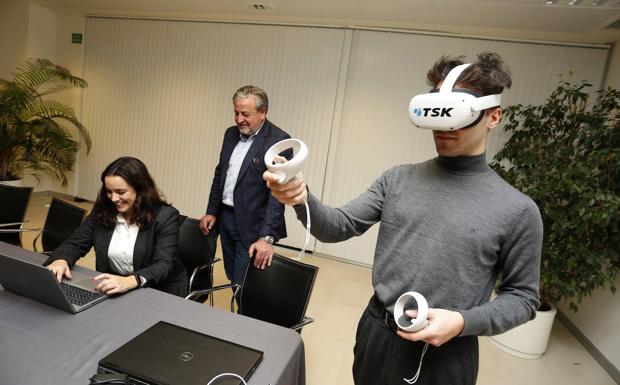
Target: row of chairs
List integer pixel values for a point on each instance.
(279, 294)
(61, 220)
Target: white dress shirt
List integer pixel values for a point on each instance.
(234, 165)
(120, 251)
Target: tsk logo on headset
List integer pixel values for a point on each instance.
(437, 111)
(450, 108)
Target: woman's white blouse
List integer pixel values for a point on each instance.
(120, 251)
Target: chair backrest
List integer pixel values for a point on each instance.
(195, 249)
(61, 221)
(280, 293)
(13, 204)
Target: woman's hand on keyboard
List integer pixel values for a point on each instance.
(61, 269)
(114, 284)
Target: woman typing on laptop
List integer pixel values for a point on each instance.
(134, 233)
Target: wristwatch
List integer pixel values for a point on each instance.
(269, 239)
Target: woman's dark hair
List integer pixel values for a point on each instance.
(488, 75)
(148, 198)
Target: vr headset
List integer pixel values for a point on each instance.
(450, 109)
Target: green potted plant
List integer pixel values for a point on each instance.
(34, 137)
(565, 154)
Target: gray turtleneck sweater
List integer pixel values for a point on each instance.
(448, 228)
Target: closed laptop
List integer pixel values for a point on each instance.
(167, 354)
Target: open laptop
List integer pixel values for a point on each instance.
(167, 354)
(39, 283)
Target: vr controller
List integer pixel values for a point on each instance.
(286, 169)
(403, 303)
(450, 108)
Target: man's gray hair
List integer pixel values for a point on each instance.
(262, 102)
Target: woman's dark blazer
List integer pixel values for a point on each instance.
(154, 254)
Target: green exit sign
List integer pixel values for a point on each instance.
(76, 38)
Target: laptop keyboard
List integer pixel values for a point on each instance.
(77, 295)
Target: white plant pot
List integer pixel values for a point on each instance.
(14, 183)
(529, 340)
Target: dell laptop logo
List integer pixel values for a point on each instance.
(186, 356)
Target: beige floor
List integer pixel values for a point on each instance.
(340, 294)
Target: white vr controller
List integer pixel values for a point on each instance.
(405, 322)
(286, 169)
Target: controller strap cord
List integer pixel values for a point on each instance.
(414, 379)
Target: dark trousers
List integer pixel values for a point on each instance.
(381, 357)
(236, 257)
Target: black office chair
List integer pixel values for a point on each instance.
(279, 294)
(197, 252)
(13, 204)
(61, 220)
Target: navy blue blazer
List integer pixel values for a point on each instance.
(154, 254)
(257, 212)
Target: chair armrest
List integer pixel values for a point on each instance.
(34, 242)
(307, 320)
(197, 269)
(11, 224)
(5, 231)
(234, 286)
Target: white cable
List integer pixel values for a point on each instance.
(303, 249)
(414, 379)
(227, 374)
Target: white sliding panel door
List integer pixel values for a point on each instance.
(385, 70)
(161, 91)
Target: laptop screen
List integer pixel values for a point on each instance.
(170, 354)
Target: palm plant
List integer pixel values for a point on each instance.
(33, 133)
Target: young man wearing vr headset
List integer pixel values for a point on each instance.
(449, 227)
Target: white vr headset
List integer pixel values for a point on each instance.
(450, 109)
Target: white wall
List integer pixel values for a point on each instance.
(13, 35)
(612, 78)
(41, 32)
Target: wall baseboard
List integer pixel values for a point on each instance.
(590, 347)
(343, 260)
(326, 256)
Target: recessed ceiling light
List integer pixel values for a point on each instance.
(574, 2)
(550, 2)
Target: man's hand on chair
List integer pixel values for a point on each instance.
(262, 251)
